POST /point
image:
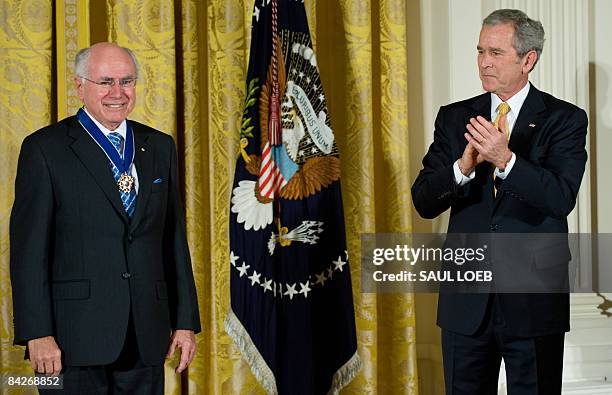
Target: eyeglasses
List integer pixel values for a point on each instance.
(108, 83)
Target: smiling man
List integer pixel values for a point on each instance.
(102, 283)
(508, 161)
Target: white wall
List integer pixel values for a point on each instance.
(601, 126)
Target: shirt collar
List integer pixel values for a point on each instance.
(515, 102)
(121, 129)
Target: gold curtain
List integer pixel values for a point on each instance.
(193, 57)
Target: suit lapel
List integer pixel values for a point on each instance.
(144, 159)
(527, 123)
(97, 164)
(482, 106)
(526, 126)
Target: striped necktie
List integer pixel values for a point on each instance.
(128, 199)
(502, 118)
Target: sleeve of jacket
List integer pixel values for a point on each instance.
(183, 297)
(435, 188)
(31, 230)
(551, 183)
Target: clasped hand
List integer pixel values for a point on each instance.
(485, 143)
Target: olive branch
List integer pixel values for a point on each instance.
(246, 129)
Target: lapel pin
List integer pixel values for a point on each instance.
(143, 150)
(531, 125)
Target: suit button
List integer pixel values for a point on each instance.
(130, 238)
(126, 275)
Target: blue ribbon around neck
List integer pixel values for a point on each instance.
(122, 164)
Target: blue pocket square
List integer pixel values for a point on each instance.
(157, 181)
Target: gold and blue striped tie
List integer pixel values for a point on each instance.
(128, 199)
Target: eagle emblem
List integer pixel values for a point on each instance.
(305, 158)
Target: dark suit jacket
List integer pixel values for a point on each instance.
(79, 265)
(549, 140)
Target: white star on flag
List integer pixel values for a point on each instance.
(339, 263)
(254, 277)
(290, 290)
(243, 269)
(256, 13)
(266, 285)
(321, 278)
(330, 272)
(233, 258)
(305, 288)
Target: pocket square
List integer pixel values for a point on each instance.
(157, 181)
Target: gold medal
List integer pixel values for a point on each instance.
(125, 183)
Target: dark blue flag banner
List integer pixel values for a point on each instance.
(292, 310)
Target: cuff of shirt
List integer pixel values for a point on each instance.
(504, 174)
(460, 179)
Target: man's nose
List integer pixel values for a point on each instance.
(115, 90)
(484, 60)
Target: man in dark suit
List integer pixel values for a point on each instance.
(102, 283)
(510, 160)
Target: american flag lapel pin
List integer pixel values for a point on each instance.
(532, 125)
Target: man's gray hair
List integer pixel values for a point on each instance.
(81, 61)
(528, 34)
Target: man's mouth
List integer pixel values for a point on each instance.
(115, 106)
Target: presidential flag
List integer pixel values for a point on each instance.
(291, 300)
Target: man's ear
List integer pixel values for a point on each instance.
(78, 83)
(529, 61)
